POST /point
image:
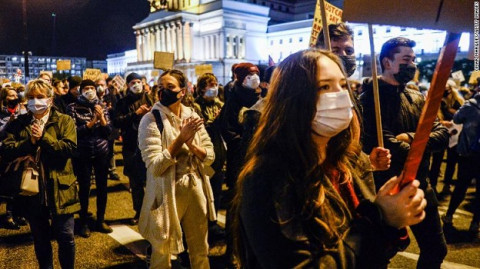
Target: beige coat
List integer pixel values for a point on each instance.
(159, 222)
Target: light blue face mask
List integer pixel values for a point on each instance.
(211, 92)
(21, 95)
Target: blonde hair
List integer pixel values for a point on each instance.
(39, 84)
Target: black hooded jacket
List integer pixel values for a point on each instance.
(400, 110)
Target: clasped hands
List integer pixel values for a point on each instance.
(189, 128)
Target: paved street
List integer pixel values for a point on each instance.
(124, 248)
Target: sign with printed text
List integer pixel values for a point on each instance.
(202, 69)
(333, 14)
(473, 77)
(91, 73)
(63, 65)
(163, 60)
(458, 76)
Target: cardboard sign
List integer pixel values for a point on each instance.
(473, 77)
(63, 65)
(118, 82)
(91, 73)
(202, 69)
(333, 14)
(163, 60)
(458, 76)
(451, 15)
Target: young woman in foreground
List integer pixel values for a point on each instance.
(304, 197)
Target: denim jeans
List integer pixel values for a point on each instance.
(41, 228)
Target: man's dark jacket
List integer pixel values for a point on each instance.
(400, 110)
(127, 120)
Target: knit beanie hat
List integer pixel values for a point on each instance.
(133, 76)
(87, 82)
(74, 81)
(243, 69)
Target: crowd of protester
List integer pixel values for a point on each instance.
(296, 146)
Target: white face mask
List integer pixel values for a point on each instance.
(251, 81)
(211, 92)
(90, 94)
(100, 89)
(334, 113)
(136, 88)
(38, 106)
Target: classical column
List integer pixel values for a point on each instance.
(173, 41)
(168, 38)
(180, 53)
(188, 41)
(161, 38)
(222, 45)
(152, 42)
(146, 45)
(229, 42)
(139, 45)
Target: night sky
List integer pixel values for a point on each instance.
(84, 28)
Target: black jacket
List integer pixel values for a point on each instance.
(92, 142)
(232, 129)
(127, 120)
(400, 109)
(269, 242)
(62, 101)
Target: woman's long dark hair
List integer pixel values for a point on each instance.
(284, 141)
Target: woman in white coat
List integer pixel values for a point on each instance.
(178, 189)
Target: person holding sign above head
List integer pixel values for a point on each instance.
(129, 111)
(303, 200)
(400, 113)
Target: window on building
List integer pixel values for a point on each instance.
(280, 42)
(403, 29)
(300, 39)
(271, 42)
(388, 30)
(290, 40)
(360, 32)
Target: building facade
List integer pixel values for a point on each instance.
(13, 66)
(224, 32)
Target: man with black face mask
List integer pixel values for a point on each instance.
(341, 41)
(400, 111)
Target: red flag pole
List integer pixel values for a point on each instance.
(429, 112)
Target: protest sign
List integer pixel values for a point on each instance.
(333, 14)
(163, 60)
(63, 65)
(202, 69)
(91, 73)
